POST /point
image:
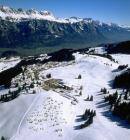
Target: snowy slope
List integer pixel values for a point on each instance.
(12, 113)
(123, 59)
(8, 63)
(53, 117)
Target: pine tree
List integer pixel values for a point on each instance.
(88, 98)
(79, 77)
(48, 75)
(2, 138)
(80, 93)
(104, 91)
(9, 92)
(94, 114)
(126, 97)
(91, 98)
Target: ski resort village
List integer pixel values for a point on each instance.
(66, 95)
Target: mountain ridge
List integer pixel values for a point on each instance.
(21, 14)
(31, 28)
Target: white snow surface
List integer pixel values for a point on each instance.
(50, 115)
(12, 113)
(8, 63)
(123, 59)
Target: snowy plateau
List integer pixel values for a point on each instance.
(51, 107)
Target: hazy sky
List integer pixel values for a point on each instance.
(117, 11)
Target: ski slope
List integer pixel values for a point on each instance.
(123, 59)
(52, 115)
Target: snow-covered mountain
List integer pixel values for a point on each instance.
(20, 14)
(32, 28)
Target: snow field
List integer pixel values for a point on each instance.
(53, 116)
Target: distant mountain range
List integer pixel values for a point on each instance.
(31, 28)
